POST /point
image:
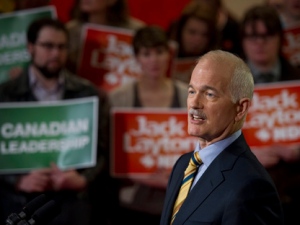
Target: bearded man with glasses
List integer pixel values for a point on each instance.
(46, 79)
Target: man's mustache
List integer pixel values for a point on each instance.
(197, 113)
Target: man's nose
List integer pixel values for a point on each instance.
(195, 101)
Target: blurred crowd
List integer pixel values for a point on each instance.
(93, 196)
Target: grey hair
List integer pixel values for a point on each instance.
(241, 84)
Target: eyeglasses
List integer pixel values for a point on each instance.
(255, 37)
(50, 46)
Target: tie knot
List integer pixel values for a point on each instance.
(194, 163)
(196, 160)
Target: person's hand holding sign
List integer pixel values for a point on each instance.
(66, 180)
(36, 181)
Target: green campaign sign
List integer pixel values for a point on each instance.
(13, 52)
(32, 135)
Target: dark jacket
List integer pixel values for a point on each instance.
(288, 71)
(235, 189)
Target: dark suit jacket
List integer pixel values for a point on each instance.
(234, 190)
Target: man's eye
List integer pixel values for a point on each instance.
(210, 95)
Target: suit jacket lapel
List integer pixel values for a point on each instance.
(201, 190)
(211, 179)
(177, 184)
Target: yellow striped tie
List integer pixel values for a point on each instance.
(186, 184)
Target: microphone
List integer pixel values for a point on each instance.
(43, 215)
(27, 210)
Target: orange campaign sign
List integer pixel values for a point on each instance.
(274, 116)
(291, 45)
(107, 57)
(145, 141)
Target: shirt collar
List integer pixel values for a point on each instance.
(209, 153)
(274, 70)
(33, 82)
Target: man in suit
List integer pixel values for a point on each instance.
(230, 186)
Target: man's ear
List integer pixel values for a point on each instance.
(242, 108)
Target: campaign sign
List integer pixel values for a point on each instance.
(107, 56)
(13, 51)
(274, 116)
(35, 134)
(145, 141)
(291, 45)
